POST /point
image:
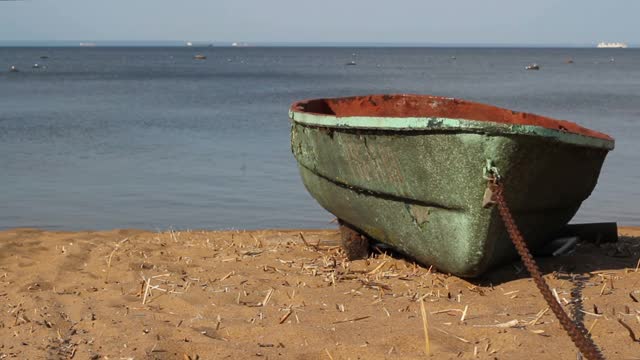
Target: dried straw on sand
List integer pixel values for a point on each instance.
(292, 294)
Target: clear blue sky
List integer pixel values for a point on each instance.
(401, 21)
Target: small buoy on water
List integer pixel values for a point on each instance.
(353, 60)
(13, 69)
(569, 61)
(36, 66)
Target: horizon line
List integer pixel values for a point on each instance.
(227, 43)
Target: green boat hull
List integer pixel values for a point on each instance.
(421, 189)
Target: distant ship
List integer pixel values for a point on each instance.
(89, 44)
(615, 45)
(533, 66)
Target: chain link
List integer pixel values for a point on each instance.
(576, 331)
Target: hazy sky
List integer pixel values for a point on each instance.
(403, 21)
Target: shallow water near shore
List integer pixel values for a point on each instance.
(101, 138)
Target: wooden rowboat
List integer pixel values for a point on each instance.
(410, 171)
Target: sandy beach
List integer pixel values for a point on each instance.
(291, 294)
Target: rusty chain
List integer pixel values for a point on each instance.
(576, 331)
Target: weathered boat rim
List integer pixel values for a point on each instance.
(560, 132)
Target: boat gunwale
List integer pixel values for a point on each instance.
(441, 124)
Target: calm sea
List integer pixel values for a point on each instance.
(101, 138)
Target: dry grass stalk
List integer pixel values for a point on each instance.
(638, 265)
(293, 294)
(173, 235)
(328, 354)
(555, 294)
(604, 286)
(508, 324)
(258, 241)
(457, 337)
(389, 315)
(592, 326)
(444, 311)
(538, 317)
(464, 313)
(146, 290)
(106, 279)
(351, 320)
(372, 272)
(425, 327)
(267, 297)
(285, 317)
(227, 276)
(305, 242)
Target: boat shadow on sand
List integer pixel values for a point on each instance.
(582, 267)
(585, 258)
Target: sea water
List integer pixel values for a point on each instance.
(100, 138)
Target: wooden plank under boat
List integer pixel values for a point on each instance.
(409, 171)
